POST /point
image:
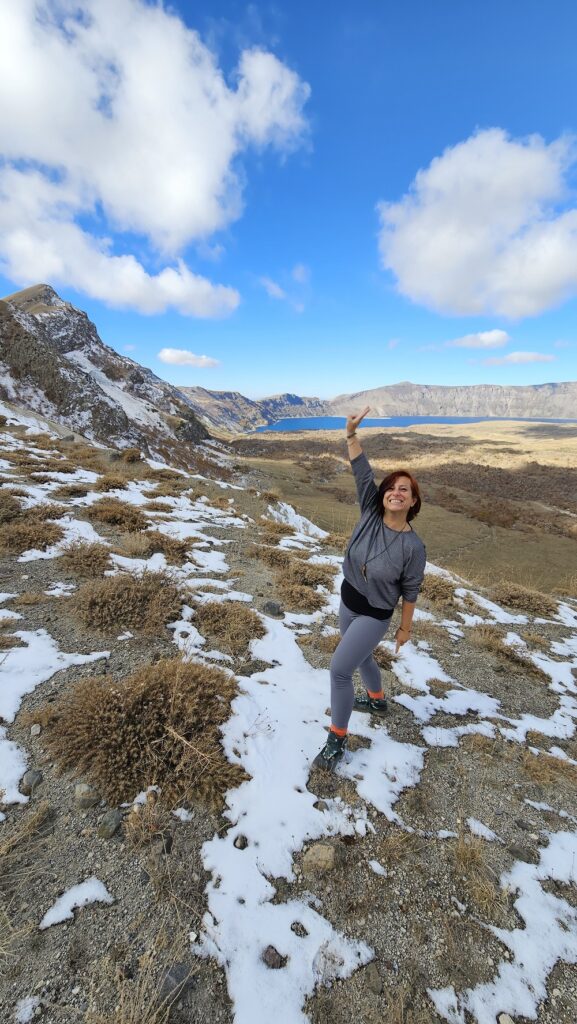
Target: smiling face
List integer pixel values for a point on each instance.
(399, 496)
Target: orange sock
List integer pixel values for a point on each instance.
(376, 696)
(338, 732)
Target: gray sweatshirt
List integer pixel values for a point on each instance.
(399, 566)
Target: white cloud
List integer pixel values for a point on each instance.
(121, 121)
(486, 228)
(273, 290)
(182, 357)
(517, 358)
(482, 339)
(392, 343)
(301, 273)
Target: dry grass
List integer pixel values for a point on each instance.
(231, 624)
(490, 639)
(110, 482)
(298, 598)
(68, 491)
(338, 541)
(117, 513)
(43, 511)
(15, 538)
(275, 558)
(8, 641)
(28, 598)
(10, 507)
(328, 642)
(438, 687)
(438, 590)
(307, 574)
(432, 632)
(147, 822)
(131, 455)
(547, 770)
(524, 599)
(396, 845)
(17, 848)
(86, 559)
(143, 545)
(145, 603)
(172, 488)
(468, 854)
(383, 658)
(274, 529)
(158, 726)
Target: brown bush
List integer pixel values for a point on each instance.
(143, 545)
(328, 642)
(230, 623)
(67, 491)
(438, 590)
(274, 529)
(86, 559)
(8, 640)
(524, 599)
(42, 511)
(275, 558)
(28, 598)
(338, 541)
(489, 638)
(110, 482)
(299, 598)
(546, 770)
(117, 513)
(308, 574)
(159, 726)
(18, 537)
(10, 507)
(131, 455)
(145, 603)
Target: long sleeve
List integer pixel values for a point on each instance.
(414, 573)
(365, 481)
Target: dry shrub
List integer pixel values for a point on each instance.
(396, 845)
(480, 744)
(18, 849)
(110, 482)
(172, 488)
(383, 658)
(8, 641)
(158, 726)
(300, 599)
(147, 822)
(28, 597)
(275, 558)
(468, 854)
(86, 559)
(438, 590)
(489, 638)
(274, 529)
(328, 642)
(156, 506)
(131, 455)
(163, 474)
(546, 770)
(338, 541)
(143, 545)
(145, 603)
(308, 574)
(438, 687)
(18, 537)
(10, 507)
(485, 895)
(524, 599)
(231, 624)
(68, 491)
(431, 632)
(117, 513)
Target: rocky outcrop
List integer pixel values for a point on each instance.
(54, 362)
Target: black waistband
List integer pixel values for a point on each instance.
(358, 603)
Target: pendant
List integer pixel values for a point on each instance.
(364, 572)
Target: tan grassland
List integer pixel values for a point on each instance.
(500, 499)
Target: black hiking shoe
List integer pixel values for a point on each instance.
(331, 753)
(374, 705)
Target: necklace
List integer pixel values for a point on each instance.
(386, 549)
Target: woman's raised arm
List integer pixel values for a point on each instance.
(353, 443)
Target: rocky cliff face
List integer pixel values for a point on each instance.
(53, 362)
(232, 411)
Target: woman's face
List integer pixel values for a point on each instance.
(399, 497)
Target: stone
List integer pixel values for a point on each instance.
(299, 929)
(110, 823)
(241, 842)
(85, 796)
(373, 979)
(504, 1018)
(524, 825)
(35, 729)
(524, 853)
(175, 981)
(273, 959)
(273, 608)
(320, 858)
(30, 780)
(321, 805)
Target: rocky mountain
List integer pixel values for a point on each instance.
(231, 411)
(53, 362)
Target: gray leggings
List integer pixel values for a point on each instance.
(360, 634)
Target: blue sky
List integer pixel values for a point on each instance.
(316, 199)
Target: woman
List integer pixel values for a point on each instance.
(385, 560)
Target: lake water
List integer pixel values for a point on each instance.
(338, 422)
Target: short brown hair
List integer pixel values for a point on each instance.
(388, 482)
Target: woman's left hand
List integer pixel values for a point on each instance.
(401, 637)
